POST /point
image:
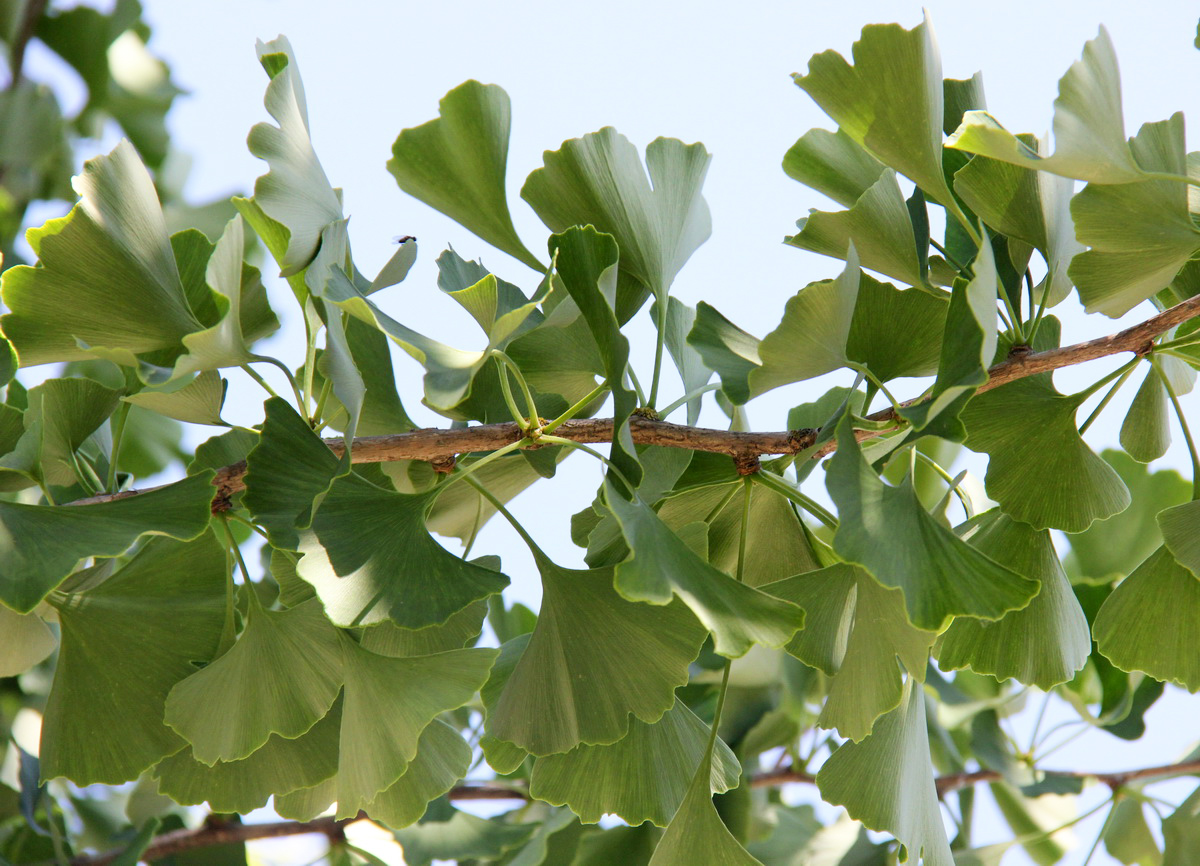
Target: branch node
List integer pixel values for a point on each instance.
(747, 464)
(647, 412)
(443, 465)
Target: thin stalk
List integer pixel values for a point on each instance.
(506, 391)
(301, 403)
(739, 574)
(464, 472)
(556, 440)
(516, 371)
(1179, 178)
(774, 482)
(326, 390)
(1187, 433)
(310, 358)
(1006, 320)
(233, 515)
(87, 475)
(953, 209)
(658, 350)
(959, 266)
(474, 529)
(56, 840)
(1179, 342)
(1037, 725)
(516, 524)
(1014, 314)
(711, 386)
(747, 495)
(576, 408)
(118, 425)
(637, 386)
(1104, 400)
(259, 379)
(1103, 828)
(1104, 380)
(878, 385)
(720, 506)
(1036, 322)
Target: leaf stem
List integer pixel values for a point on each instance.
(508, 515)
(961, 268)
(1104, 400)
(558, 440)
(118, 431)
(326, 390)
(516, 371)
(878, 385)
(506, 391)
(951, 482)
(637, 386)
(686, 398)
(780, 486)
(658, 349)
(310, 354)
(576, 408)
(1183, 426)
(463, 472)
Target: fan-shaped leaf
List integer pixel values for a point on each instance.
(1146, 431)
(442, 759)
(697, 834)
(462, 837)
(197, 402)
(25, 640)
(832, 163)
(1180, 526)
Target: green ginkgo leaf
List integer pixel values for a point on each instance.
(877, 225)
(25, 640)
(1180, 526)
(573, 683)
(727, 349)
(280, 766)
(442, 759)
(854, 631)
(1044, 644)
(388, 639)
(697, 834)
(197, 402)
(41, 544)
(1089, 125)
(501, 755)
(692, 370)
(887, 531)
(889, 102)
(462, 837)
(811, 339)
(388, 703)
(832, 163)
(658, 221)
(281, 676)
(594, 779)
(295, 191)
(499, 308)
(1040, 469)
(886, 781)
(456, 164)
(1146, 430)
(125, 644)
(1151, 622)
(897, 332)
(369, 557)
(106, 277)
(1032, 206)
(1141, 233)
(661, 566)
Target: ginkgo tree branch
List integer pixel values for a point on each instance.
(225, 833)
(441, 446)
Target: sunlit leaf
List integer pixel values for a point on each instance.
(697, 834)
(1040, 469)
(442, 760)
(662, 566)
(40, 544)
(1151, 622)
(663, 756)
(887, 531)
(25, 640)
(1127, 836)
(727, 349)
(657, 221)
(886, 781)
(456, 164)
(1043, 644)
(832, 163)
(1089, 126)
(574, 683)
(1146, 431)
(125, 644)
(197, 402)
(854, 631)
(281, 676)
(106, 277)
(295, 191)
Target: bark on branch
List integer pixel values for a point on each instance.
(441, 446)
(220, 833)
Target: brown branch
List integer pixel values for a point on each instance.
(222, 833)
(441, 446)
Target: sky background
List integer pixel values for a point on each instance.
(699, 71)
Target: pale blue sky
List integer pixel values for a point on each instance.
(699, 71)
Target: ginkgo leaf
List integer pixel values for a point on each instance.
(1151, 622)
(369, 557)
(25, 640)
(877, 225)
(573, 683)
(279, 766)
(697, 834)
(595, 779)
(1040, 470)
(388, 703)
(1140, 234)
(1146, 431)
(295, 191)
(442, 759)
(897, 332)
(887, 531)
(1030, 205)
(1044, 644)
(832, 163)
(661, 566)
(462, 837)
(501, 755)
(854, 631)
(727, 349)
(890, 101)
(1180, 526)
(811, 339)
(388, 639)
(456, 164)
(1089, 125)
(125, 644)
(106, 276)
(41, 544)
(886, 781)
(281, 676)
(658, 221)
(692, 370)
(197, 402)
(499, 308)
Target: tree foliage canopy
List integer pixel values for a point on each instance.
(278, 620)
